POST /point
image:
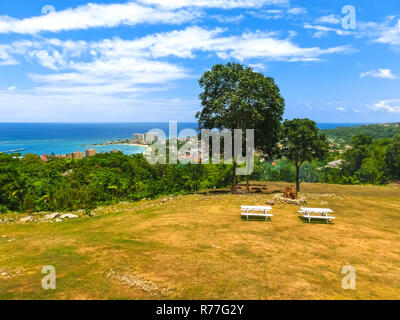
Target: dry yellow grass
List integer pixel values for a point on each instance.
(197, 247)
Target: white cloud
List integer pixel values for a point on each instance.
(297, 11)
(130, 13)
(5, 58)
(11, 88)
(341, 109)
(56, 54)
(331, 19)
(267, 46)
(380, 73)
(121, 72)
(52, 60)
(272, 14)
(224, 4)
(94, 15)
(258, 66)
(387, 32)
(391, 106)
(227, 19)
(321, 31)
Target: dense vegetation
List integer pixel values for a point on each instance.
(369, 161)
(29, 184)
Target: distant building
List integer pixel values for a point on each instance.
(77, 155)
(335, 164)
(90, 153)
(139, 137)
(44, 158)
(151, 137)
(145, 138)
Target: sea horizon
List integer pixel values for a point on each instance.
(67, 137)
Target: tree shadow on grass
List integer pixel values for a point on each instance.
(254, 219)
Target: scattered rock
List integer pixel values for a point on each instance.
(271, 202)
(136, 282)
(297, 202)
(69, 216)
(27, 219)
(58, 220)
(51, 216)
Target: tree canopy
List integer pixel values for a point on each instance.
(301, 142)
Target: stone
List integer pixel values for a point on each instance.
(51, 216)
(26, 219)
(297, 202)
(271, 203)
(69, 216)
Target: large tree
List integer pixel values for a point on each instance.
(237, 97)
(301, 142)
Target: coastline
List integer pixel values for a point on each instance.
(118, 143)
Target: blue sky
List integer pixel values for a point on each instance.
(74, 61)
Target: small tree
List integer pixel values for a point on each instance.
(302, 142)
(237, 97)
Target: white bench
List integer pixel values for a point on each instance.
(251, 211)
(324, 214)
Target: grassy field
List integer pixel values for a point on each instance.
(197, 247)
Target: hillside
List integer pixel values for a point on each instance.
(197, 247)
(343, 135)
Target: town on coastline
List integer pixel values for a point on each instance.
(195, 148)
(138, 139)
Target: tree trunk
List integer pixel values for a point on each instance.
(234, 181)
(297, 179)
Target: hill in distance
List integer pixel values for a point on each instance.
(375, 131)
